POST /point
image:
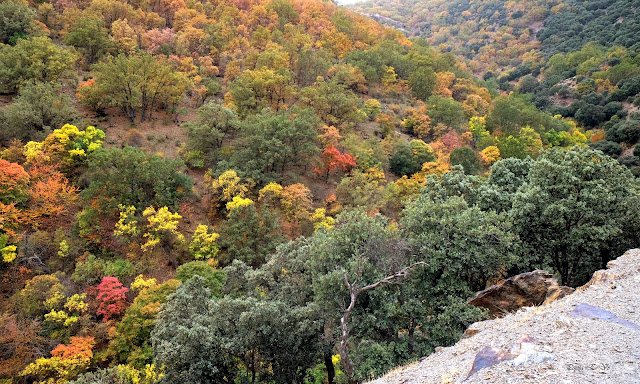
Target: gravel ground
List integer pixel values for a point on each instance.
(590, 336)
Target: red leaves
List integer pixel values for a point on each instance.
(332, 160)
(111, 297)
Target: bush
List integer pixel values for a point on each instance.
(467, 158)
(92, 270)
(609, 148)
(213, 279)
(132, 177)
(38, 109)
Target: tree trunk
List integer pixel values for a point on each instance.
(331, 373)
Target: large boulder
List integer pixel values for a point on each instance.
(523, 290)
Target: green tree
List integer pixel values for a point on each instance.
(248, 235)
(139, 82)
(38, 109)
(186, 341)
(273, 143)
(408, 158)
(423, 82)
(207, 133)
(446, 111)
(212, 278)
(342, 267)
(16, 21)
(89, 34)
(577, 211)
(131, 177)
(35, 58)
(466, 157)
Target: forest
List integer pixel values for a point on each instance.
(288, 191)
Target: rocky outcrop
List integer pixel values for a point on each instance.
(523, 290)
(590, 336)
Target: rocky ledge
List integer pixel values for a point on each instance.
(589, 336)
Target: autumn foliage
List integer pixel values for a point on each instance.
(111, 298)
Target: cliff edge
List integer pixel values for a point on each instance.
(590, 336)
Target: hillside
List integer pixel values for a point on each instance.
(284, 191)
(590, 336)
(574, 59)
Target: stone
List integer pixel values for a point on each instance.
(532, 358)
(488, 357)
(596, 313)
(523, 290)
(469, 332)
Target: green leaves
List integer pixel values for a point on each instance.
(576, 212)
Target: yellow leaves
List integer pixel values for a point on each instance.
(150, 374)
(162, 225)
(9, 253)
(68, 144)
(123, 36)
(203, 243)
(139, 284)
(229, 186)
(578, 137)
(238, 202)
(490, 155)
(270, 192)
(127, 225)
(60, 317)
(75, 303)
(321, 220)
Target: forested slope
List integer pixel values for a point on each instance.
(258, 191)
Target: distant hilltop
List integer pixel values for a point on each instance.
(590, 336)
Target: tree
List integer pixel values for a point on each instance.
(185, 342)
(39, 296)
(446, 111)
(296, 200)
(111, 298)
(13, 183)
(248, 235)
(51, 197)
(576, 212)
(131, 177)
(272, 143)
(339, 269)
(134, 83)
(332, 160)
(162, 229)
(36, 59)
(256, 89)
(65, 363)
(422, 83)
(466, 157)
(132, 343)
(207, 133)
(203, 243)
(66, 147)
(213, 278)
(408, 158)
(89, 34)
(16, 21)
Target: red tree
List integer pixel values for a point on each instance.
(111, 297)
(332, 160)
